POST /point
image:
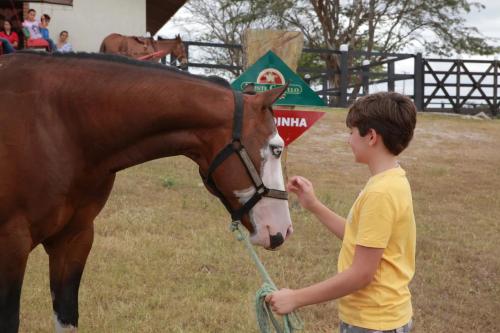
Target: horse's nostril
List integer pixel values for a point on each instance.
(289, 231)
(276, 240)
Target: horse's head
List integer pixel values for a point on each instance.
(179, 51)
(174, 47)
(246, 175)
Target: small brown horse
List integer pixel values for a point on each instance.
(68, 123)
(138, 47)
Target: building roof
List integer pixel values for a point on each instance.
(57, 2)
(158, 12)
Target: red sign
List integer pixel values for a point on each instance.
(293, 123)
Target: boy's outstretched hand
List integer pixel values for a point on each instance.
(282, 301)
(304, 190)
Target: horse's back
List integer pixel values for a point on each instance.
(111, 43)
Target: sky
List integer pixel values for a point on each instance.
(485, 20)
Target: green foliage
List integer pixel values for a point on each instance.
(384, 25)
(168, 182)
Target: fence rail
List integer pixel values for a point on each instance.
(454, 85)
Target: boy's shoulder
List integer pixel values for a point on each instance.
(389, 182)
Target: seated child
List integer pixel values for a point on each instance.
(44, 24)
(31, 26)
(11, 36)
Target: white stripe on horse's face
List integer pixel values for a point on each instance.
(60, 328)
(269, 216)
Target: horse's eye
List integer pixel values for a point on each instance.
(276, 150)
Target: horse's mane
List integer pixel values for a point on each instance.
(127, 61)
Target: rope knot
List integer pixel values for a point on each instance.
(265, 316)
(234, 227)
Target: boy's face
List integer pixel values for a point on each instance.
(359, 145)
(31, 16)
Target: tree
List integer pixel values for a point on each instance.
(437, 26)
(391, 25)
(225, 21)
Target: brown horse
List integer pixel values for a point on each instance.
(139, 47)
(68, 123)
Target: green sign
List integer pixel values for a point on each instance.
(270, 72)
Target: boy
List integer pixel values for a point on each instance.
(44, 30)
(377, 258)
(32, 26)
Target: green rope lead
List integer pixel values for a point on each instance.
(265, 316)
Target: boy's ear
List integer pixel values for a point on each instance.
(270, 96)
(374, 137)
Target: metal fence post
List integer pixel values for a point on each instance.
(366, 77)
(390, 76)
(344, 74)
(186, 46)
(418, 82)
(495, 88)
(324, 82)
(456, 107)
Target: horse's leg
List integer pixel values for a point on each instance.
(15, 246)
(68, 251)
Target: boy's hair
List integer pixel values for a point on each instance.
(391, 115)
(46, 17)
(31, 10)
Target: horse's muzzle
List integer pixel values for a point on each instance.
(276, 240)
(183, 64)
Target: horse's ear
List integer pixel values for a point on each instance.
(270, 96)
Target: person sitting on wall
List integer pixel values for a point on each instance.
(9, 38)
(31, 29)
(44, 30)
(6, 46)
(63, 45)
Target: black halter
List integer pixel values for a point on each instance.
(237, 148)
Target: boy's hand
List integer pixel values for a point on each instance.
(304, 190)
(282, 301)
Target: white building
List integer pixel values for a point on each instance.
(89, 21)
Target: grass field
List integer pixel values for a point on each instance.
(164, 260)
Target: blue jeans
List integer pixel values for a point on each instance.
(53, 47)
(7, 46)
(346, 328)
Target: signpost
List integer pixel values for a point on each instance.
(292, 117)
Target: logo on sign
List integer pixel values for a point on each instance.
(271, 72)
(270, 78)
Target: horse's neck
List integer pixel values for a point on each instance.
(167, 44)
(158, 116)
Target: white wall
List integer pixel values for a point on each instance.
(89, 21)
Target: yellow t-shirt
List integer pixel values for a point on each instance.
(381, 217)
